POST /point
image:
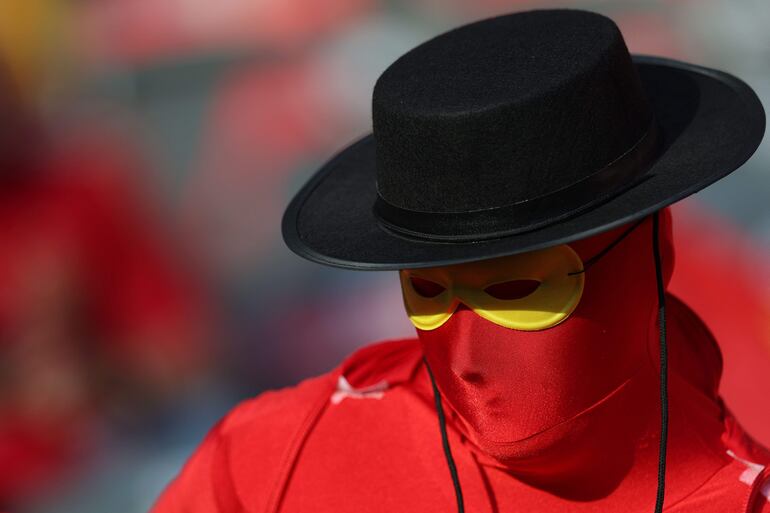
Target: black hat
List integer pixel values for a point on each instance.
(517, 133)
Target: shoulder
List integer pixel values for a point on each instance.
(384, 364)
(260, 428)
(258, 441)
(741, 486)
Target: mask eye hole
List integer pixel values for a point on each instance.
(426, 288)
(514, 289)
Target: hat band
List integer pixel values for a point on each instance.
(621, 174)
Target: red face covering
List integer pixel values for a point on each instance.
(541, 403)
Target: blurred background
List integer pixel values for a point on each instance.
(147, 151)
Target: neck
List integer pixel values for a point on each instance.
(587, 456)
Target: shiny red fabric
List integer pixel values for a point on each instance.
(718, 260)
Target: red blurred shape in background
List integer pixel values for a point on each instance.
(98, 310)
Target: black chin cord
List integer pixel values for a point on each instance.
(445, 442)
(663, 366)
(663, 384)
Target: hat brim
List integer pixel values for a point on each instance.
(710, 123)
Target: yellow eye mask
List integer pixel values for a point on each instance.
(530, 291)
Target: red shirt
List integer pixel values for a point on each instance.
(365, 437)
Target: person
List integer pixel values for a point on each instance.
(100, 322)
(518, 177)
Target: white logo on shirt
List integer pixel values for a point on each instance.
(345, 389)
(750, 474)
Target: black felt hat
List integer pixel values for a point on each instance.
(517, 133)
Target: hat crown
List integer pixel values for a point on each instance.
(505, 110)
